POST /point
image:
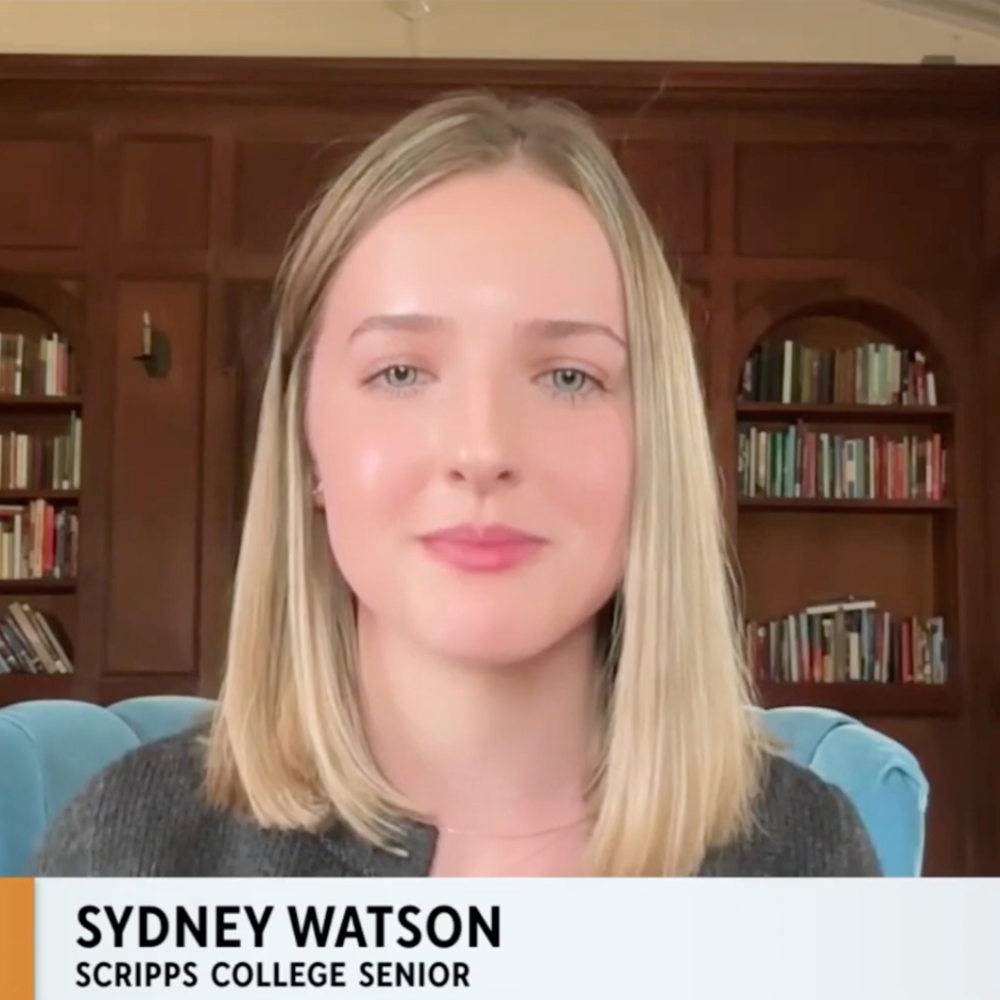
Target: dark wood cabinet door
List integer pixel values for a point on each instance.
(250, 316)
(155, 472)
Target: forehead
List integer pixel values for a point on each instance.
(507, 239)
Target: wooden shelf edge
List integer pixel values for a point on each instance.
(44, 586)
(835, 411)
(16, 688)
(40, 402)
(823, 504)
(52, 495)
(860, 699)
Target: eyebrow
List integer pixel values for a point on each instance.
(556, 329)
(552, 329)
(405, 322)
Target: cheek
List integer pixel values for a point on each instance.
(369, 469)
(587, 473)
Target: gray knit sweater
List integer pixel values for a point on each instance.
(145, 816)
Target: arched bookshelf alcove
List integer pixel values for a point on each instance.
(40, 487)
(847, 502)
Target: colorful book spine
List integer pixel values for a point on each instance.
(849, 642)
(798, 462)
(32, 365)
(32, 642)
(38, 541)
(41, 462)
(876, 374)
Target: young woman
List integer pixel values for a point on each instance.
(482, 622)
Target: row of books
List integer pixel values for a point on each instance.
(798, 462)
(849, 641)
(37, 461)
(873, 374)
(34, 365)
(38, 541)
(30, 643)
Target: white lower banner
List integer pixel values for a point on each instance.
(607, 939)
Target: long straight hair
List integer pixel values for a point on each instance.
(679, 751)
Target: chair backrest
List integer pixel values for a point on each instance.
(50, 750)
(880, 776)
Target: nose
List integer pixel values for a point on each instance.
(481, 471)
(482, 441)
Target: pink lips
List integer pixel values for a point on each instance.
(489, 549)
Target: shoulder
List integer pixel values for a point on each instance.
(801, 826)
(130, 813)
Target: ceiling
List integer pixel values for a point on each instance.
(974, 15)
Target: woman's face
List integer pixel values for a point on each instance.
(469, 418)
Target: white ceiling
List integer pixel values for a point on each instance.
(865, 32)
(975, 15)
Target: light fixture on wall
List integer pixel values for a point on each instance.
(411, 11)
(155, 356)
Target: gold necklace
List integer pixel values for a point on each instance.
(514, 836)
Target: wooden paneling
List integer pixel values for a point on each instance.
(275, 182)
(863, 201)
(164, 193)
(249, 317)
(991, 200)
(156, 453)
(44, 185)
(696, 297)
(990, 750)
(672, 182)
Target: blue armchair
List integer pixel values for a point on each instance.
(880, 776)
(49, 750)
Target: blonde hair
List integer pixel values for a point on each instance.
(680, 751)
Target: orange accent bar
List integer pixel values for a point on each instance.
(17, 939)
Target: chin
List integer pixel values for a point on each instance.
(482, 654)
(491, 637)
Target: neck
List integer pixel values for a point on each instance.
(482, 748)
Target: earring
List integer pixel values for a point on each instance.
(317, 495)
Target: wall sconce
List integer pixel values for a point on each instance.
(155, 357)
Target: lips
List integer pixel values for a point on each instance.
(483, 549)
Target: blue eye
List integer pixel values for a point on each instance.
(399, 376)
(572, 382)
(399, 380)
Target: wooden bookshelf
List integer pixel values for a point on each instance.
(31, 311)
(800, 551)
